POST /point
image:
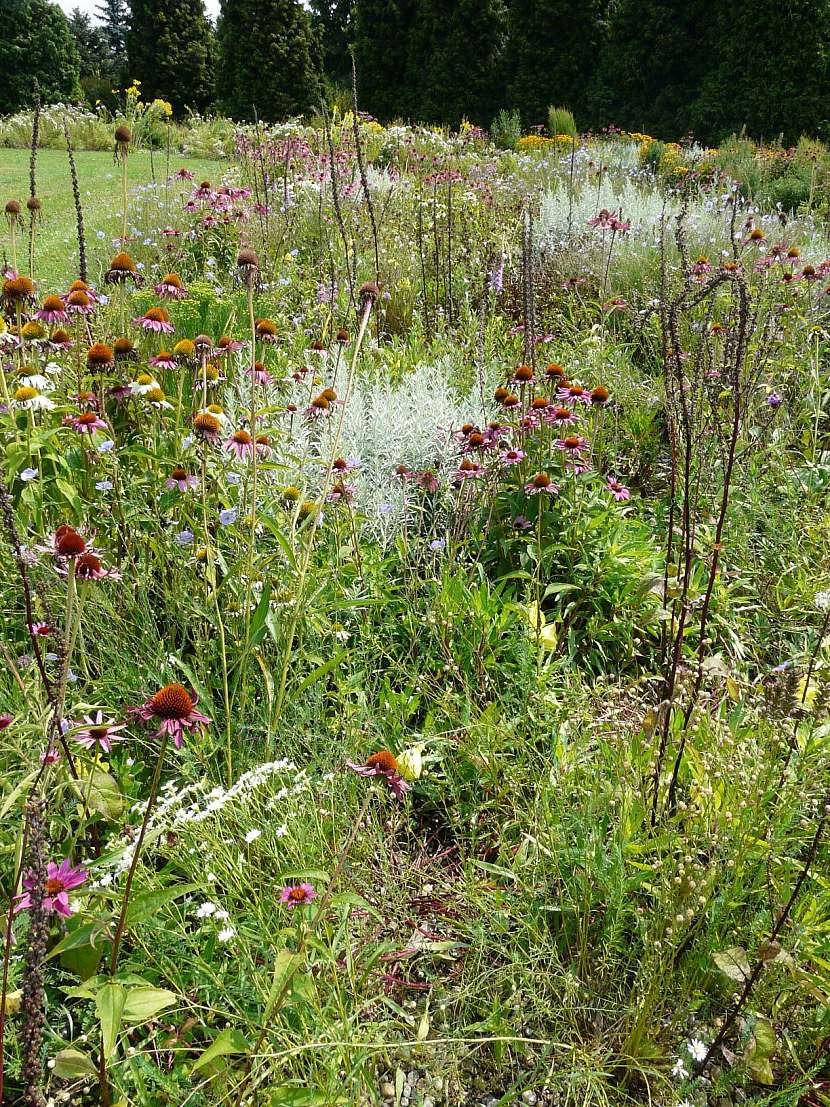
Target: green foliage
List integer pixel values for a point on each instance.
(381, 37)
(506, 129)
(171, 51)
(561, 122)
(268, 60)
(36, 45)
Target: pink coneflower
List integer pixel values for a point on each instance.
(6, 720)
(87, 422)
(89, 566)
(383, 764)
(523, 375)
(60, 880)
(163, 360)
(60, 340)
(427, 480)
(65, 542)
(263, 446)
(240, 443)
(98, 731)
(342, 493)
(41, 630)
(512, 457)
(181, 479)
(52, 311)
(561, 416)
(573, 394)
(297, 895)
(50, 756)
(175, 709)
(184, 175)
(573, 445)
(467, 470)
(541, 482)
(79, 302)
(259, 374)
(345, 465)
(618, 490)
(170, 287)
(227, 345)
(154, 319)
(206, 425)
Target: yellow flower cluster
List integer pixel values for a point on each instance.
(542, 142)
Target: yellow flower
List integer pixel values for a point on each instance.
(410, 763)
(545, 632)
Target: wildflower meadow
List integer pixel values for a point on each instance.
(414, 618)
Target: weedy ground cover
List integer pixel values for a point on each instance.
(415, 618)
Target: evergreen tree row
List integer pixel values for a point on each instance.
(667, 67)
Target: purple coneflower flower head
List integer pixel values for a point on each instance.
(541, 482)
(513, 457)
(170, 287)
(181, 479)
(86, 422)
(383, 764)
(96, 731)
(618, 490)
(574, 445)
(155, 319)
(50, 756)
(342, 493)
(297, 895)
(259, 374)
(174, 708)
(163, 360)
(240, 443)
(521, 522)
(561, 416)
(427, 480)
(41, 630)
(60, 880)
(467, 470)
(6, 720)
(90, 567)
(52, 311)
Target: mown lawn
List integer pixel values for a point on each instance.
(99, 178)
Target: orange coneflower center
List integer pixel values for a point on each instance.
(572, 442)
(263, 440)
(78, 286)
(172, 702)
(68, 542)
(99, 354)
(329, 394)
(541, 480)
(554, 370)
(510, 400)
(576, 390)
(523, 373)
(501, 393)
(561, 412)
(599, 394)
(53, 886)
(172, 279)
(179, 473)
(123, 263)
(18, 288)
(86, 418)
(60, 336)
(98, 733)
(123, 346)
(242, 437)
(53, 303)
(539, 403)
(265, 326)
(298, 895)
(383, 760)
(157, 315)
(320, 402)
(78, 298)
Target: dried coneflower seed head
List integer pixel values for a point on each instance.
(501, 394)
(172, 702)
(100, 354)
(247, 260)
(68, 542)
(202, 342)
(329, 394)
(18, 289)
(369, 292)
(33, 205)
(12, 208)
(342, 336)
(123, 135)
(383, 760)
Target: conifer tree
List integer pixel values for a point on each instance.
(454, 60)
(170, 46)
(114, 18)
(333, 24)
(36, 43)
(382, 30)
(552, 52)
(269, 64)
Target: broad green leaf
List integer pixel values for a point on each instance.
(298, 1097)
(84, 935)
(145, 905)
(100, 791)
(321, 671)
(223, 1045)
(71, 1064)
(109, 1003)
(142, 1004)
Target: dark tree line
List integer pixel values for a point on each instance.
(667, 67)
